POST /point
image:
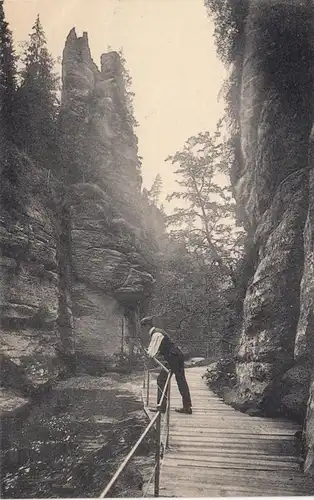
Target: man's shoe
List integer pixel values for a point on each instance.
(155, 410)
(187, 411)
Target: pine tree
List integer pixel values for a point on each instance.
(128, 94)
(155, 191)
(7, 76)
(37, 95)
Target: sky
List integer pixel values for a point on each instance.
(170, 53)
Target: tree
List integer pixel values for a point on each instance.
(189, 298)
(154, 192)
(199, 287)
(7, 75)
(37, 97)
(206, 221)
(229, 18)
(128, 94)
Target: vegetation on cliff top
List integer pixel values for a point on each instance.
(30, 120)
(28, 114)
(36, 105)
(7, 75)
(229, 18)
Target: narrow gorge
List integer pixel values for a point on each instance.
(82, 246)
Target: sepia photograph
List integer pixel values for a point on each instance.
(156, 248)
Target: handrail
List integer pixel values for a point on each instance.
(159, 439)
(155, 420)
(128, 457)
(164, 391)
(148, 370)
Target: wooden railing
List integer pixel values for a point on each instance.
(161, 425)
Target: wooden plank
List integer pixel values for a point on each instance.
(254, 487)
(225, 474)
(270, 490)
(201, 490)
(210, 449)
(239, 452)
(231, 463)
(251, 486)
(216, 429)
(275, 450)
(217, 436)
(218, 451)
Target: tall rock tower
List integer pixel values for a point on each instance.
(112, 256)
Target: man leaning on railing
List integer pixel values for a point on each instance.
(161, 344)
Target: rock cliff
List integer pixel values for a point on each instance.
(30, 283)
(274, 188)
(111, 252)
(77, 255)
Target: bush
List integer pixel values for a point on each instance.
(221, 372)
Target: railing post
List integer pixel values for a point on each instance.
(157, 455)
(168, 413)
(147, 388)
(144, 376)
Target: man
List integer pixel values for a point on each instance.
(160, 343)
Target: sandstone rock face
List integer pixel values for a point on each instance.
(274, 188)
(304, 349)
(106, 150)
(111, 252)
(137, 285)
(309, 434)
(295, 391)
(271, 304)
(29, 297)
(97, 322)
(77, 259)
(105, 250)
(10, 403)
(105, 261)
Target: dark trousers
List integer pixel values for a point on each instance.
(176, 364)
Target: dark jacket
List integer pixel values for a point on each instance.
(168, 349)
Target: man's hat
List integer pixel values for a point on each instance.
(148, 320)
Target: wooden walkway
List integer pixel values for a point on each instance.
(219, 451)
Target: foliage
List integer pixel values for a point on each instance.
(153, 194)
(221, 372)
(199, 290)
(7, 75)
(128, 94)
(13, 195)
(229, 18)
(206, 221)
(189, 294)
(9, 167)
(37, 106)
